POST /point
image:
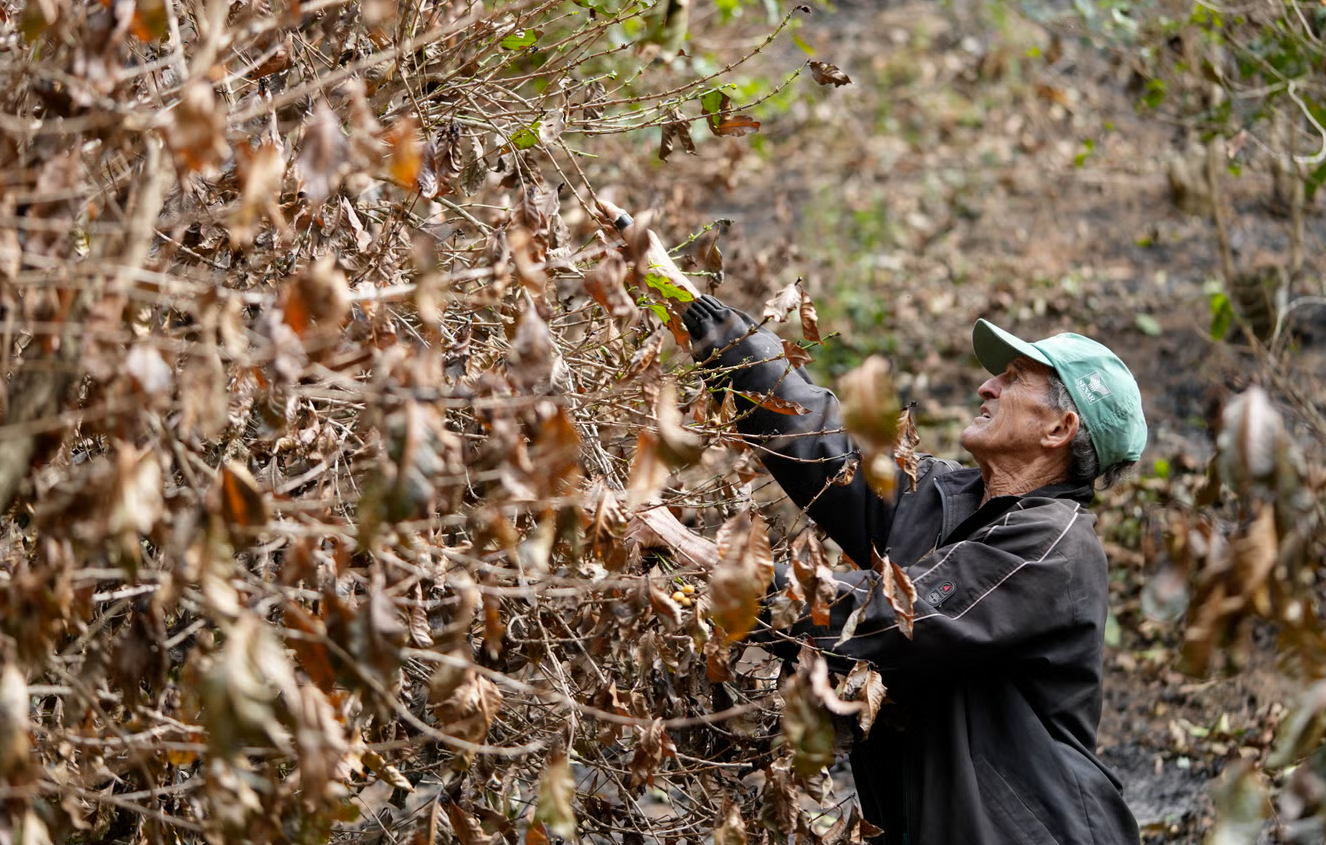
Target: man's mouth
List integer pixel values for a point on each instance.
(984, 414)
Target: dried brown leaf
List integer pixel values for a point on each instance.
(557, 790)
(322, 157)
(810, 318)
(737, 124)
(15, 739)
(730, 828)
(782, 303)
(826, 74)
(864, 685)
(904, 451)
(197, 131)
(898, 589)
(261, 174)
(652, 744)
(405, 155)
(466, 827)
(807, 724)
(240, 502)
(774, 402)
(606, 283)
(742, 576)
(468, 711)
(796, 355)
(645, 357)
(678, 131)
(648, 470)
(870, 404)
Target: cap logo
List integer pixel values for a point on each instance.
(1092, 387)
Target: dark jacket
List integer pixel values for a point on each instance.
(998, 694)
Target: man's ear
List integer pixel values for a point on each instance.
(1062, 431)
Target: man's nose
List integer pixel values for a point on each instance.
(989, 390)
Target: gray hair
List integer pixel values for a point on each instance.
(1083, 463)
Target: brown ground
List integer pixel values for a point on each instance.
(941, 186)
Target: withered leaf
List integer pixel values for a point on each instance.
(469, 710)
(648, 470)
(810, 319)
(774, 402)
(197, 131)
(780, 804)
(552, 126)
(782, 303)
(826, 74)
(898, 589)
(864, 685)
(737, 124)
(319, 295)
(241, 502)
(707, 253)
(261, 172)
(667, 610)
(807, 724)
(904, 451)
(812, 574)
(321, 161)
(742, 576)
(606, 283)
(730, 828)
(870, 404)
(536, 834)
(796, 355)
(846, 830)
(645, 356)
(405, 155)
(468, 829)
(375, 763)
(717, 660)
(557, 790)
(678, 131)
(652, 744)
(494, 629)
(677, 446)
(15, 742)
(595, 96)
(657, 527)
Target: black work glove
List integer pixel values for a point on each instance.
(713, 325)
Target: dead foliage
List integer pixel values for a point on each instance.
(342, 435)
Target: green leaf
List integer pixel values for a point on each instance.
(805, 48)
(520, 40)
(1155, 94)
(667, 288)
(1088, 147)
(659, 311)
(1222, 316)
(526, 136)
(1149, 325)
(713, 102)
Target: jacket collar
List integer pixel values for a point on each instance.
(964, 514)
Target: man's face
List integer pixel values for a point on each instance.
(1015, 416)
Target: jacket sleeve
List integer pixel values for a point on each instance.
(1015, 591)
(805, 452)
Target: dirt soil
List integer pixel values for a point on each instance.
(980, 165)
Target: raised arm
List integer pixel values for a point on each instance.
(805, 452)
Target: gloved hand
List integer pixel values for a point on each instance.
(712, 325)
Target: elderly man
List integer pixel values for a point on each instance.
(997, 695)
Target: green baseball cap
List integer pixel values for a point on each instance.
(1101, 385)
